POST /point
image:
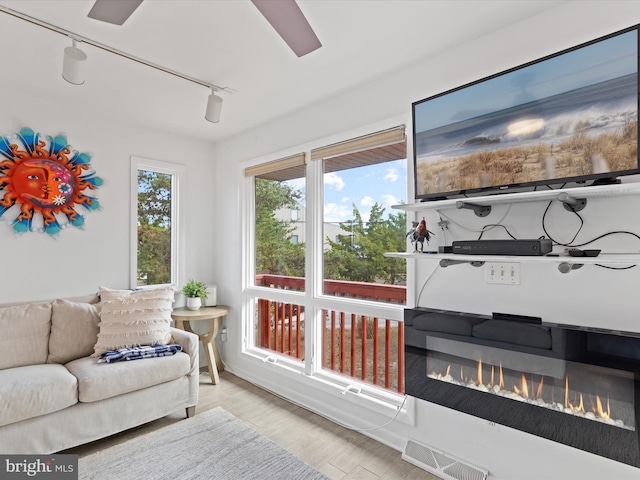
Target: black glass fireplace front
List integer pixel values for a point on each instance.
(574, 386)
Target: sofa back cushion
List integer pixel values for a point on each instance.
(74, 330)
(24, 334)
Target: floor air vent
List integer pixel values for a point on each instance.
(441, 464)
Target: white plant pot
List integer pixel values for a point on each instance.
(194, 303)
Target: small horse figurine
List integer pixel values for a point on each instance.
(419, 233)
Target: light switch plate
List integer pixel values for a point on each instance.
(507, 273)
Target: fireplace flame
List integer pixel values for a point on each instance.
(492, 382)
(523, 391)
(599, 409)
(540, 385)
(445, 376)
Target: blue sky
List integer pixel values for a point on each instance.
(384, 183)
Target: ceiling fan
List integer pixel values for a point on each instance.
(284, 16)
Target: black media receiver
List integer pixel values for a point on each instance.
(502, 247)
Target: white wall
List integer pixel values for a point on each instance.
(35, 266)
(590, 296)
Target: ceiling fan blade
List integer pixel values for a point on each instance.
(113, 11)
(288, 20)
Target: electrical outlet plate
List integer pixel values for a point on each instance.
(502, 273)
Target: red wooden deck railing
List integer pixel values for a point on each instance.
(351, 343)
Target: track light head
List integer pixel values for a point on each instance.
(214, 107)
(73, 65)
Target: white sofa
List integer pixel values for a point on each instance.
(55, 395)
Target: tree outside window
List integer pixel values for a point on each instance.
(276, 253)
(154, 228)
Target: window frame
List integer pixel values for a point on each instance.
(177, 173)
(313, 298)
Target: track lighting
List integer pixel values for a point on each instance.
(73, 64)
(75, 61)
(214, 107)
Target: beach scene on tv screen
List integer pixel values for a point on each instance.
(572, 115)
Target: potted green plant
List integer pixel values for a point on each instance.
(195, 292)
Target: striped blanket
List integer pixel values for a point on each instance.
(137, 353)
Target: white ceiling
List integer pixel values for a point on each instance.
(229, 43)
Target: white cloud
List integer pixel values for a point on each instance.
(337, 213)
(367, 201)
(297, 183)
(345, 199)
(392, 175)
(334, 181)
(389, 199)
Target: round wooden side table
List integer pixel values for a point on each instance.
(183, 316)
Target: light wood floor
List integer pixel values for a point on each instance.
(338, 452)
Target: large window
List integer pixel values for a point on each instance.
(155, 222)
(323, 297)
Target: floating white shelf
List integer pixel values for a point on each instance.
(615, 190)
(579, 193)
(604, 259)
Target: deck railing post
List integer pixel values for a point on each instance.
(298, 329)
(324, 338)
(282, 339)
(364, 347)
(376, 345)
(354, 334)
(387, 354)
(333, 340)
(343, 345)
(263, 323)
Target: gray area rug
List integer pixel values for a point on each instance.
(212, 445)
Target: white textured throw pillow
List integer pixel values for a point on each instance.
(133, 318)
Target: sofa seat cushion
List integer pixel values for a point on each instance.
(515, 333)
(35, 390)
(24, 334)
(97, 381)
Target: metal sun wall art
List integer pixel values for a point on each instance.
(44, 177)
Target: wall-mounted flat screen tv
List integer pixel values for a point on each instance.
(568, 117)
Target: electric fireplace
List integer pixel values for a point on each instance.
(575, 386)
